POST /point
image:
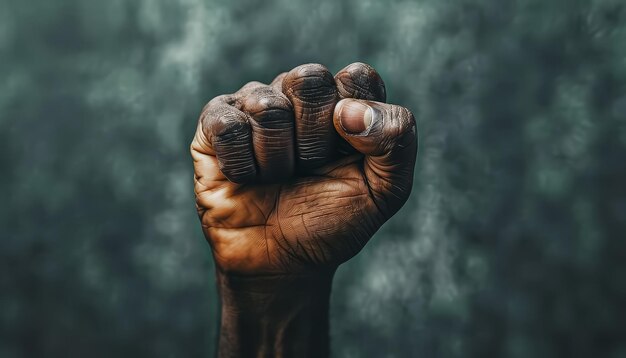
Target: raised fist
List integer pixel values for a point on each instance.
(296, 176)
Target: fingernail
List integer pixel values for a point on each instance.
(355, 116)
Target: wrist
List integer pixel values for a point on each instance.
(274, 315)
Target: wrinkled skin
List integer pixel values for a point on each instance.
(282, 188)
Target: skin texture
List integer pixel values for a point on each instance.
(291, 180)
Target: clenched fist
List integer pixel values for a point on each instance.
(292, 179)
(299, 174)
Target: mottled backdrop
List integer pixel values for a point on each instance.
(513, 243)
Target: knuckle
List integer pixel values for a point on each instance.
(217, 101)
(215, 109)
(309, 81)
(265, 99)
(231, 135)
(226, 122)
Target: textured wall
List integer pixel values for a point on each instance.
(511, 245)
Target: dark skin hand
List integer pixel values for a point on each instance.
(291, 180)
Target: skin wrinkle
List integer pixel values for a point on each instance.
(229, 134)
(312, 90)
(272, 132)
(282, 234)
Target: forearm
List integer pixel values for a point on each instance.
(274, 316)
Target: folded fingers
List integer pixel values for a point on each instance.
(267, 133)
(251, 133)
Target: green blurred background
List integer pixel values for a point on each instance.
(511, 245)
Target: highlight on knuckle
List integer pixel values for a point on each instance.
(265, 101)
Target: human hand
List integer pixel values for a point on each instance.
(297, 176)
(291, 180)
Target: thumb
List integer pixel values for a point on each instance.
(386, 135)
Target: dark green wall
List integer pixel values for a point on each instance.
(513, 243)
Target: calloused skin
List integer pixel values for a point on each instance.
(291, 180)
